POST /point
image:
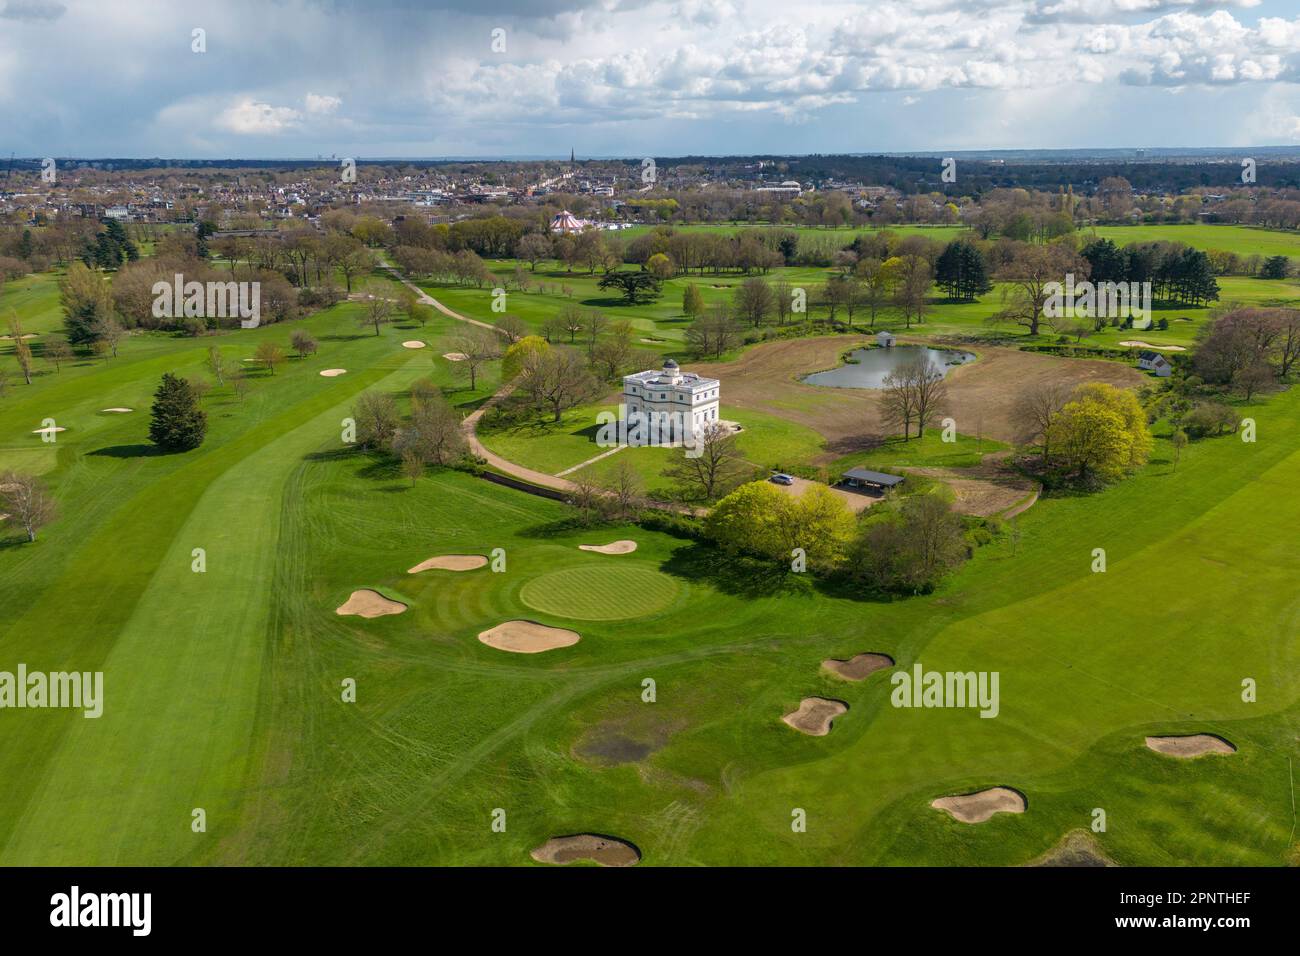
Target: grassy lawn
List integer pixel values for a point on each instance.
(223, 687)
(928, 451)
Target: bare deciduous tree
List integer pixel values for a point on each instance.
(25, 501)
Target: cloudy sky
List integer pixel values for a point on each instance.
(392, 78)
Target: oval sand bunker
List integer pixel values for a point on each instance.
(455, 356)
(607, 851)
(368, 603)
(978, 807)
(528, 637)
(413, 344)
(332, 372)
(1193, 745)
(117, 411)
(858, 667)
(450, 562)
(48, 431)
(617, 547)
(815, 715)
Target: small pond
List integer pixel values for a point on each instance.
(867, 368)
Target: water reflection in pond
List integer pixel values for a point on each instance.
(868, 367)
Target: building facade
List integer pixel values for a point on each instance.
(671, 406)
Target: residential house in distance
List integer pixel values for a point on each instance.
(1155, 362)
(675, 405)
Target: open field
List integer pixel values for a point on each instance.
(223, 687)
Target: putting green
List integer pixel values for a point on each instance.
(598, 592)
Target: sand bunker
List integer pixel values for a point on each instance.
(331, 372)
(117, 411)
(618, 547)
(858, 667)
(450, 562)
(455, 356)
(815, 714)
(413, 345)
(978, 807)
(46, 431)
(607, 851)
(1193, 745)
(368, 603)
(1137, 343)
(528, 637)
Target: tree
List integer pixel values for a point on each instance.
(612, 354)
(512, 327)
(914, 392)
(1026, 276)
(660, 266)
(303, 343)
(1253, 379)
(177, 423)
(626, 491)
(56, 352)
(1036, 409)
(377, 307)
(217, 364)
(692, 301)
(636, 287)
(479, 346)
(753, 301)
(412, 465)
(533, 248)
(717, 468)
(269, 354)
(1101, 433)
(434, 434)
(520, 356)
(376, 416)
(1178, 441)
(713, 333)
(107, 330)
(556, 379)
(239, 382)
(961, 271)
(22, 351)
(910, 550)
(24, 500)
(86, 299)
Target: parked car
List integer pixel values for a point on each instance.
(781, 478)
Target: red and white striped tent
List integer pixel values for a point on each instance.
(567, 222)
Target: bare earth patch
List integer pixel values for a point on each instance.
(1192, 745)
(528, 637)
(856, 500)
(455, 356)
(986, 489)
(117, 411)
(984, 392)
(618, 547)
(1077, 848)
(413, 344)
(859, 666)
(332, 372)
(978, 807)
(450, 562)
(815, 715)
(607, 851)
(368, 603)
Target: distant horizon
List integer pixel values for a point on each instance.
(1082, 151)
